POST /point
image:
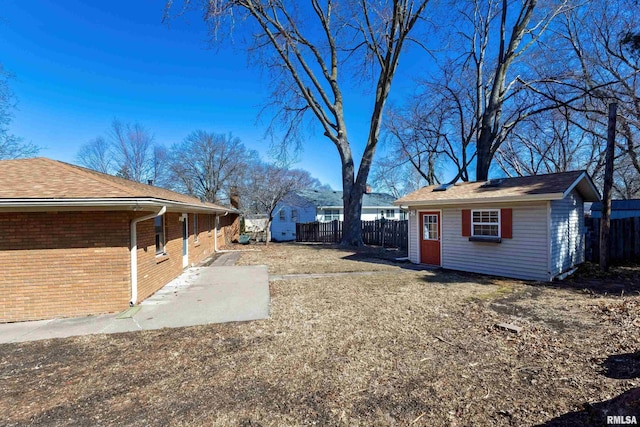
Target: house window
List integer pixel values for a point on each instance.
(403, 215)
(294, 215)
(391, 213)
(195, 227)
(283, 215)
(485, 223)
(210, 223)
(331, 214)
(159, 227)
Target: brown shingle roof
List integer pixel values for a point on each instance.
(538, 186)
(42, 178)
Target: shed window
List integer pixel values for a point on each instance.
(485, 223)
(159, 227)
(294, 215)
(283, 215)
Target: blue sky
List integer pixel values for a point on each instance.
(78, 65)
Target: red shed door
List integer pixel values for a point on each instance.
(430, 238)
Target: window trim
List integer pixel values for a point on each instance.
(334, 212)
(484, 236)
(163, 250)
(437, 231)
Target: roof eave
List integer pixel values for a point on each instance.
(588, 190)
(479, 200)
(132, 204)
(363, 206)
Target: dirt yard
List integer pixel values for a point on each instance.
(396, 347)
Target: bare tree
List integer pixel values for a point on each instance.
(206, 165)
(97, 155)
(129, 151)
(481, 91)
(608, 71)
(133, 150)
(267, 185)
(551, 142)
(11, 146)
(391, 177)
(307, 49)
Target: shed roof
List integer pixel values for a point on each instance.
(330, 198)
(537, 187)
(43, 180)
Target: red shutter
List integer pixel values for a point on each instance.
(466, 222)
(506, 221)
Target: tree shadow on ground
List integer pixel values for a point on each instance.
(625, 405)
(619, 280)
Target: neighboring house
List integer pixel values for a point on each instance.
(75, 242)
(619, 209)
(527, 227)
(326, 205)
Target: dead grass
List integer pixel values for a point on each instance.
(396, 348)
(291, 258)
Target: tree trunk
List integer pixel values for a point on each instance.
(351, 199)
(605, 221)
(352, 226)
(267, 232)
(483, 159)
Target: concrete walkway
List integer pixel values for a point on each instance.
(201, 295)
(227, 258)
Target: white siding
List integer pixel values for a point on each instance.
(567, 233)
(525, 256)
(368, 214)
(286, 230)
(414, 238)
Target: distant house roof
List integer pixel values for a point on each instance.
(538, 187)
(619, 209)
(42, 182)
(333, 199)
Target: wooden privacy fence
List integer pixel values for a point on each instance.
(624, 239)
(394, 232)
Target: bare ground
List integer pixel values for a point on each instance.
(399, 347)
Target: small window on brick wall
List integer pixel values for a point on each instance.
(160, 240)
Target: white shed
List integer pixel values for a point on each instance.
(526, 227)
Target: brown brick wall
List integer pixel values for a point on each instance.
(78, 263)
(63, 264)
(156, 271)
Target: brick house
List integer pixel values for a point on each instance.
(76, 242)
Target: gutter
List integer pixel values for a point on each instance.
(134, 252)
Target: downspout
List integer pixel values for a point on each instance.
(134, 252)
(215, 233)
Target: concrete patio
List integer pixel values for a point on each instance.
(201, 295)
